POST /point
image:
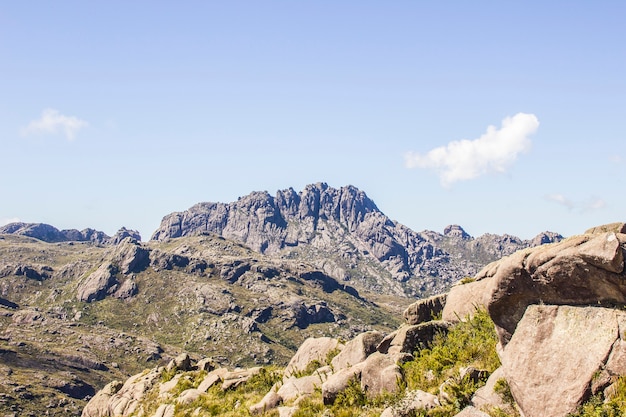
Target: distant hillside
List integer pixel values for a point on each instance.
(76, 315)
(51, 234)
(343, 232)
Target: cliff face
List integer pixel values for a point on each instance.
(344, 233)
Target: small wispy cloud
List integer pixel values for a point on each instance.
(585, 206)
(616, 159)
(560, 199)
(53, 122)
(494, 151)
(593, 204)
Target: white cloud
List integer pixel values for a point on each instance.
(561, 199)
(5, 221)
(53, 122)
(591, 204)
(494, 151)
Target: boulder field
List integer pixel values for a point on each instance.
(559, 316)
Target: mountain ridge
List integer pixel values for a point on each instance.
(51, 234)
(342, 228)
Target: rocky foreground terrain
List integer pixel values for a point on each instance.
(539, 333)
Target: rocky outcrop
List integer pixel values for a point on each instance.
(51, 234)
(131, 256)
(559, 274)
(357, 350)
(30, 271)
(556, 353)
(348, 235)
(121, 235)
(39, 231)
(410, 338)
(117, 399)
(558, 311)
(98, 406)
(120, 400)
(313, 349)
(425, 309)
(98, 284)
(582, 270)
(465, 298)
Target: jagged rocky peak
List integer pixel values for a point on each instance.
(122, 234)
(261, 221)
(544, 238)
(51, 234)
(454, 230)
(346, 235)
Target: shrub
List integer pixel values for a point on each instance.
(468, 343)
(615, 406)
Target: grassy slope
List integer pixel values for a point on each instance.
(173, 311)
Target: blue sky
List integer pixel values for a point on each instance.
(503, 117)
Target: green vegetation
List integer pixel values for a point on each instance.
(467, 280)
(351, 403)
(215, 402)
(50, 336)
(502, 388)
(614, 406)
(468, 344)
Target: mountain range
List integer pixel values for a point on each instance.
(245, 283)
(342, 232)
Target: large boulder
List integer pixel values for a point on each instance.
(409, 339)
(131, 256)
(339, 381)
(165, 388)
(380, 374)
(357, 350)
(180, 363)
(98, 284)
(465, 298)
(212, 378)
(188, 396)
(237, 377)
(312, 349)
(425, 310)
(270, 401)
(618, 227)
(554, 354)
(98, 406)
(582, 270)
(122, 400)
(294, 387)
